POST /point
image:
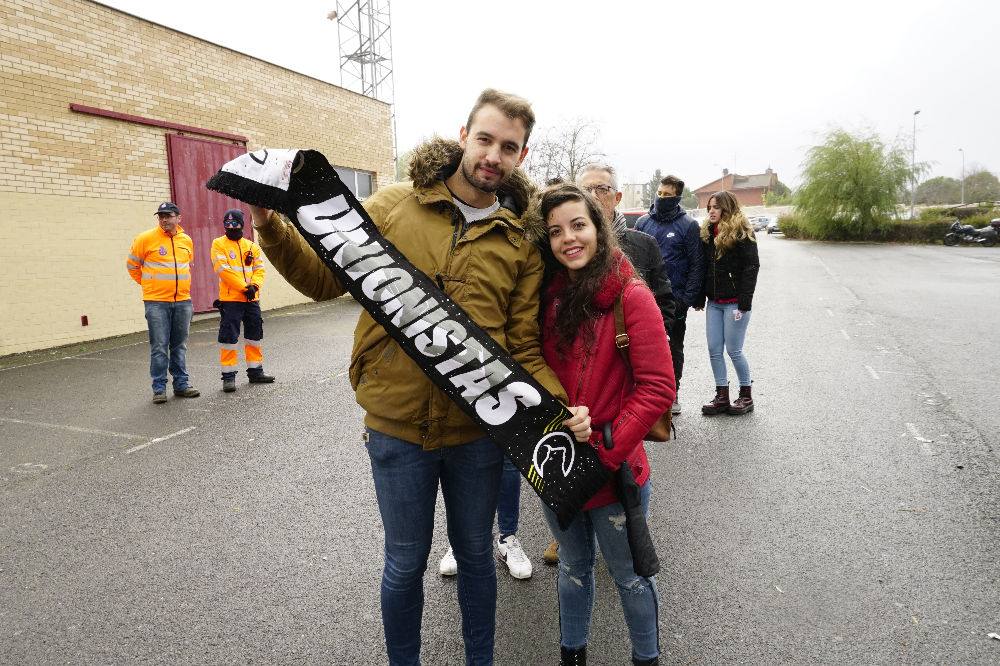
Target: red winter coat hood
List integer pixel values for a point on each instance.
(595, 375)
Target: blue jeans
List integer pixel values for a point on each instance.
(168, 323)
(577, 555)
(723, 331)
(406, 485)
(509, 503)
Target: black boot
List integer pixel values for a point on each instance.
(573, 657)
(742, 404)
(719, 404)
(259, 377)
(655, 661)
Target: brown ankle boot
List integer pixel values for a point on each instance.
(719, 404)
(742, 404)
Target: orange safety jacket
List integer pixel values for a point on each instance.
(230, 260)
(161, 264)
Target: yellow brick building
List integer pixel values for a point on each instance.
(77, 184)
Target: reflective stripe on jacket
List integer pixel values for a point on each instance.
(161, 264)
(229, 261)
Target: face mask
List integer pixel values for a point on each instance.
(666, 205)
(234, 234)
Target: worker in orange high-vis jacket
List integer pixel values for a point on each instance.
(160, 262)
(240, 266)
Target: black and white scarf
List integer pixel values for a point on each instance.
(517, 413)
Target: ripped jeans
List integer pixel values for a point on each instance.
(577, 555)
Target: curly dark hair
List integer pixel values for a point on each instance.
(575, 313)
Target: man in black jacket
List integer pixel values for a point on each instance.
(640, 248)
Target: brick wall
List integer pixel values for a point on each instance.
(75, 188)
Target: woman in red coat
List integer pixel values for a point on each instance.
(578, 342)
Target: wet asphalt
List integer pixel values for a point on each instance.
(853, 517)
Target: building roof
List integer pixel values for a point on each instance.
(750, 182)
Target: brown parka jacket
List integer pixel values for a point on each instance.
(492, 270)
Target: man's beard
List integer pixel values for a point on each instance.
(478, 183)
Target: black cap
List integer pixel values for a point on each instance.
(233, 214)
(168, 207)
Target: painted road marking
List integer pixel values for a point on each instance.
(871, 371)
(88, 431)
(924, 442)
(157, 440)
(916, 433)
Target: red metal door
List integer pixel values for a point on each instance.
(192, 162)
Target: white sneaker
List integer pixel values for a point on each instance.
(513, 555)
(676, 408)
(448, 566)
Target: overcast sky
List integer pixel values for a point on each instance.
(687, 87)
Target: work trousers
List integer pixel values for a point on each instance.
(233, 314)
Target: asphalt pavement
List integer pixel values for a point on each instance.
(853, 517)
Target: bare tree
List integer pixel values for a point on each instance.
(562, 151)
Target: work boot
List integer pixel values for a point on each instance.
(260, 378)
(160, 398)
(719, 404)
(742, 404)
(187, 392)
(229, 384)
(573, 657)
(655, 661)
(551, 554)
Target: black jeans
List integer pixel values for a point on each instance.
(677, 341)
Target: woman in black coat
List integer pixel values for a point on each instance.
(731, 266)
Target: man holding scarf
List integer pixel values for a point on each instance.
(677, 234)
(460, 222)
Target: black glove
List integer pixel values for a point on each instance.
(250, 292)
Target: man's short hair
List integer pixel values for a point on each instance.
(673, 181)
(555, 180)
(512, 106)
(598, 166)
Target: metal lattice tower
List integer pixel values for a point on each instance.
(365, 44)
(365, 47)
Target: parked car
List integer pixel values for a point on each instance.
(760, 222)
(772, 227)
(632, 216)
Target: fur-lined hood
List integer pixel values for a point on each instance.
(438, 158)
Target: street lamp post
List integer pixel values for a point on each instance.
(913, 165)
(962, 150)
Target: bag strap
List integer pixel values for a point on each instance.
(621, 337)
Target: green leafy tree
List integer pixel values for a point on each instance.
(403, 166)
(688, 198)
(940, 190)
(851, 183)
(982, 186)
(779, 195)
(649, 188)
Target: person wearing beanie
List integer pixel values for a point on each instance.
(240, 266)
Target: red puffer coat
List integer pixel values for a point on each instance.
(595, 374)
